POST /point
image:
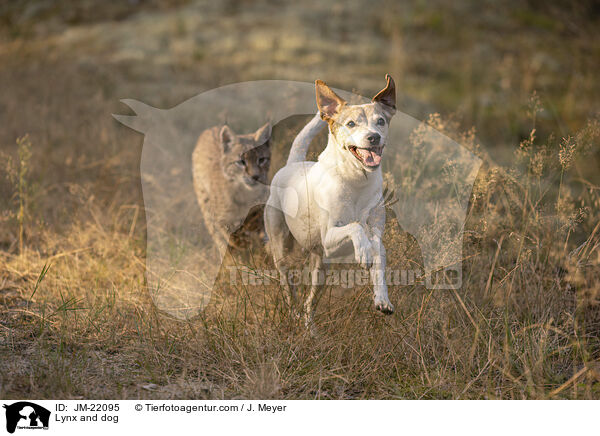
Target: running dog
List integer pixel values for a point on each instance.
(334, 207)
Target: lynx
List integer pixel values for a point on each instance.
(230, 179)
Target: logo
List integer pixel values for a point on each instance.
(26, 415)
(429, 176)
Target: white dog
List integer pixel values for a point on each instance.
(334, 207)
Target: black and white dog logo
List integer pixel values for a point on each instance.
(26, 415)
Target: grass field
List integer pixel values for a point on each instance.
(516, 83)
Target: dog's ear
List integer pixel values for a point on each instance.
(263, 134)
(387, 95)
(328, 102)
(226, 136)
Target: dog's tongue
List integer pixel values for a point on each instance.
(369, 157)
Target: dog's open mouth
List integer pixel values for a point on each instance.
(370, 157)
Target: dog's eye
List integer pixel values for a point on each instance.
(351, 123)
(263, 161)
(381, 122)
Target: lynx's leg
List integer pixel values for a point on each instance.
(214, 233)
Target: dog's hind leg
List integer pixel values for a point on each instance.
(281, 243)
(316, 290)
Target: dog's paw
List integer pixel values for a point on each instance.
(384, 306)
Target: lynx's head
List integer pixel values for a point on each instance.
(246, 158)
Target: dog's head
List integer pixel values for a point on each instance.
(360, 130)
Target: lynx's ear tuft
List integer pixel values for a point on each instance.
(227, 136)
(263, 134)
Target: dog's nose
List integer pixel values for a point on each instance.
(374, 138)
(256, 177)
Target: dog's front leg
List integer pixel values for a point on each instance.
(376, 226)
(380, 291)
(337, 238)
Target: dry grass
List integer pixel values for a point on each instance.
(76, 319)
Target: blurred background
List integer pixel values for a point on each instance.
(64, 66)
(66, 63)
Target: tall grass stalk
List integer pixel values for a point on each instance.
(19, 176)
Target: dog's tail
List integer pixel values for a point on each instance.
(304, 138)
